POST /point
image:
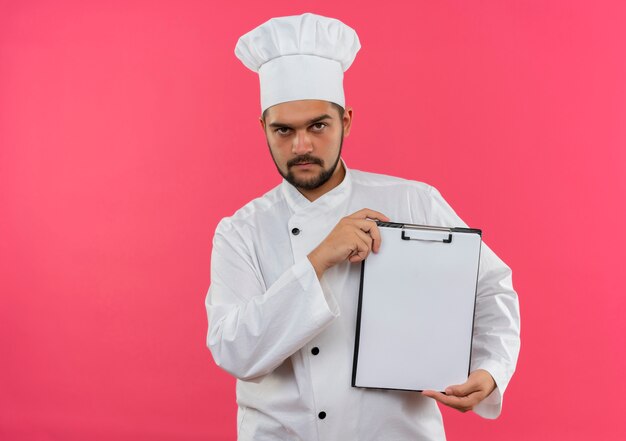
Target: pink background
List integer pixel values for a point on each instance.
(128, 129)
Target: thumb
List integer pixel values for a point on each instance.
(459, 390)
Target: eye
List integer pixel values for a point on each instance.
(318, 127)
(282, 131)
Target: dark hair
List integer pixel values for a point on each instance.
(340, 110)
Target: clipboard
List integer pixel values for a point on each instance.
(416, 308)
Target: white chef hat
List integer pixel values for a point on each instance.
(299, 57)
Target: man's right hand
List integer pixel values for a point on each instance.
(352, 239)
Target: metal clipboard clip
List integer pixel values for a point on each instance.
(405, 236)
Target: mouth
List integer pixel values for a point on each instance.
(304, 166)
(304, 162)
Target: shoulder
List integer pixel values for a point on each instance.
(405, 199)
(254, 212)
(375, 181)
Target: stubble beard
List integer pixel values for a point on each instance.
(314, 182)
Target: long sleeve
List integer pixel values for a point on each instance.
(496, 340)
(252, 330)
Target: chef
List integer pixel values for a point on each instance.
(285, 267)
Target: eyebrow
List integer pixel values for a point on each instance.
(309, 122)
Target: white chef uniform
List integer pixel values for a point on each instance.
(289, 337)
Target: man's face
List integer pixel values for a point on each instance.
(305, 139)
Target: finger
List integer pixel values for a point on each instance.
(371, 228)
(462, 404)
(443, 398)
(479, 380)
(366, 213)
(360, 250)
(366, 238)
(358, 257)
(462, 390)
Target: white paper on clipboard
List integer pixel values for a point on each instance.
(416, 308)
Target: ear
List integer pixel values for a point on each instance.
(262, 121)
(347, 121)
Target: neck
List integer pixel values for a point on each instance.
(335, 180)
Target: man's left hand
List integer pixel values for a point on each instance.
(465, 396)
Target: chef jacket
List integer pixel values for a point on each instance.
(288, 337)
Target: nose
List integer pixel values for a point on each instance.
(301, 144)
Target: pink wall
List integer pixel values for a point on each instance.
(128, 129)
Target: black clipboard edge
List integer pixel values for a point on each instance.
(480, 249)
(429, 227)
(358, 326)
